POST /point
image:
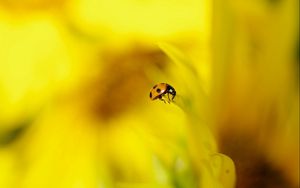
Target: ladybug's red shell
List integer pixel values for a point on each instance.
(158, 90)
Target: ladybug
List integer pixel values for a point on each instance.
(162, 89)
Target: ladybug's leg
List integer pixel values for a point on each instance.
(169, 98)
(173, 96)
(160, 98)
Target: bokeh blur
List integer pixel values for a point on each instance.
(75, 77)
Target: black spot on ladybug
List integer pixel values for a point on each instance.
(150, 95)
(158, 90)
(154, 86)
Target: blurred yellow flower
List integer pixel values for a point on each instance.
(257, 89)
(74, 93)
